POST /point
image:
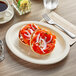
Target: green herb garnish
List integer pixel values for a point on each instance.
(39, 43)
(46, 33)
(27, 33)
(27, 28)
(48, 50)
(35, 28)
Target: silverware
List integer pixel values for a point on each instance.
(50, 21)
(1, 51)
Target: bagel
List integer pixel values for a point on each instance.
(42, 42)
(26, 31)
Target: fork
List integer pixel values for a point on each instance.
(50, 21)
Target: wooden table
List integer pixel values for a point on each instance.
(13, 66)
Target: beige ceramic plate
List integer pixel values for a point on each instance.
(60, 51)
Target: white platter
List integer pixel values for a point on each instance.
(60, 51)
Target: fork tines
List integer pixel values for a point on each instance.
(45, 16)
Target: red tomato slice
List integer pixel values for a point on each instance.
(37, 49)
(43, 42)
(26, 31)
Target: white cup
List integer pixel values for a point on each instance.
(3, 13)
(50, 4)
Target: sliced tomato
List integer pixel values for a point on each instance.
(26, 32)
(34, 39)
(49, 48)
(37, 49)
(43, 42)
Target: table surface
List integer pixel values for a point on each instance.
(13, 66)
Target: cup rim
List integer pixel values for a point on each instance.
(7, 6)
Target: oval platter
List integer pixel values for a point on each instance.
(24, 52)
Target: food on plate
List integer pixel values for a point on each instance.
(23, 5)
(26, 31)
(42, 42)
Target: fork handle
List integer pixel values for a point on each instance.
(67, 32)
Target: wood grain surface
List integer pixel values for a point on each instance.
(13, 66)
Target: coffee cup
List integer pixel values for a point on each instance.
(4, 5)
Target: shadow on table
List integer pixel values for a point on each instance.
(58, 65)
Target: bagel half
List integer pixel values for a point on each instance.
(42, 42)
(25, 33)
